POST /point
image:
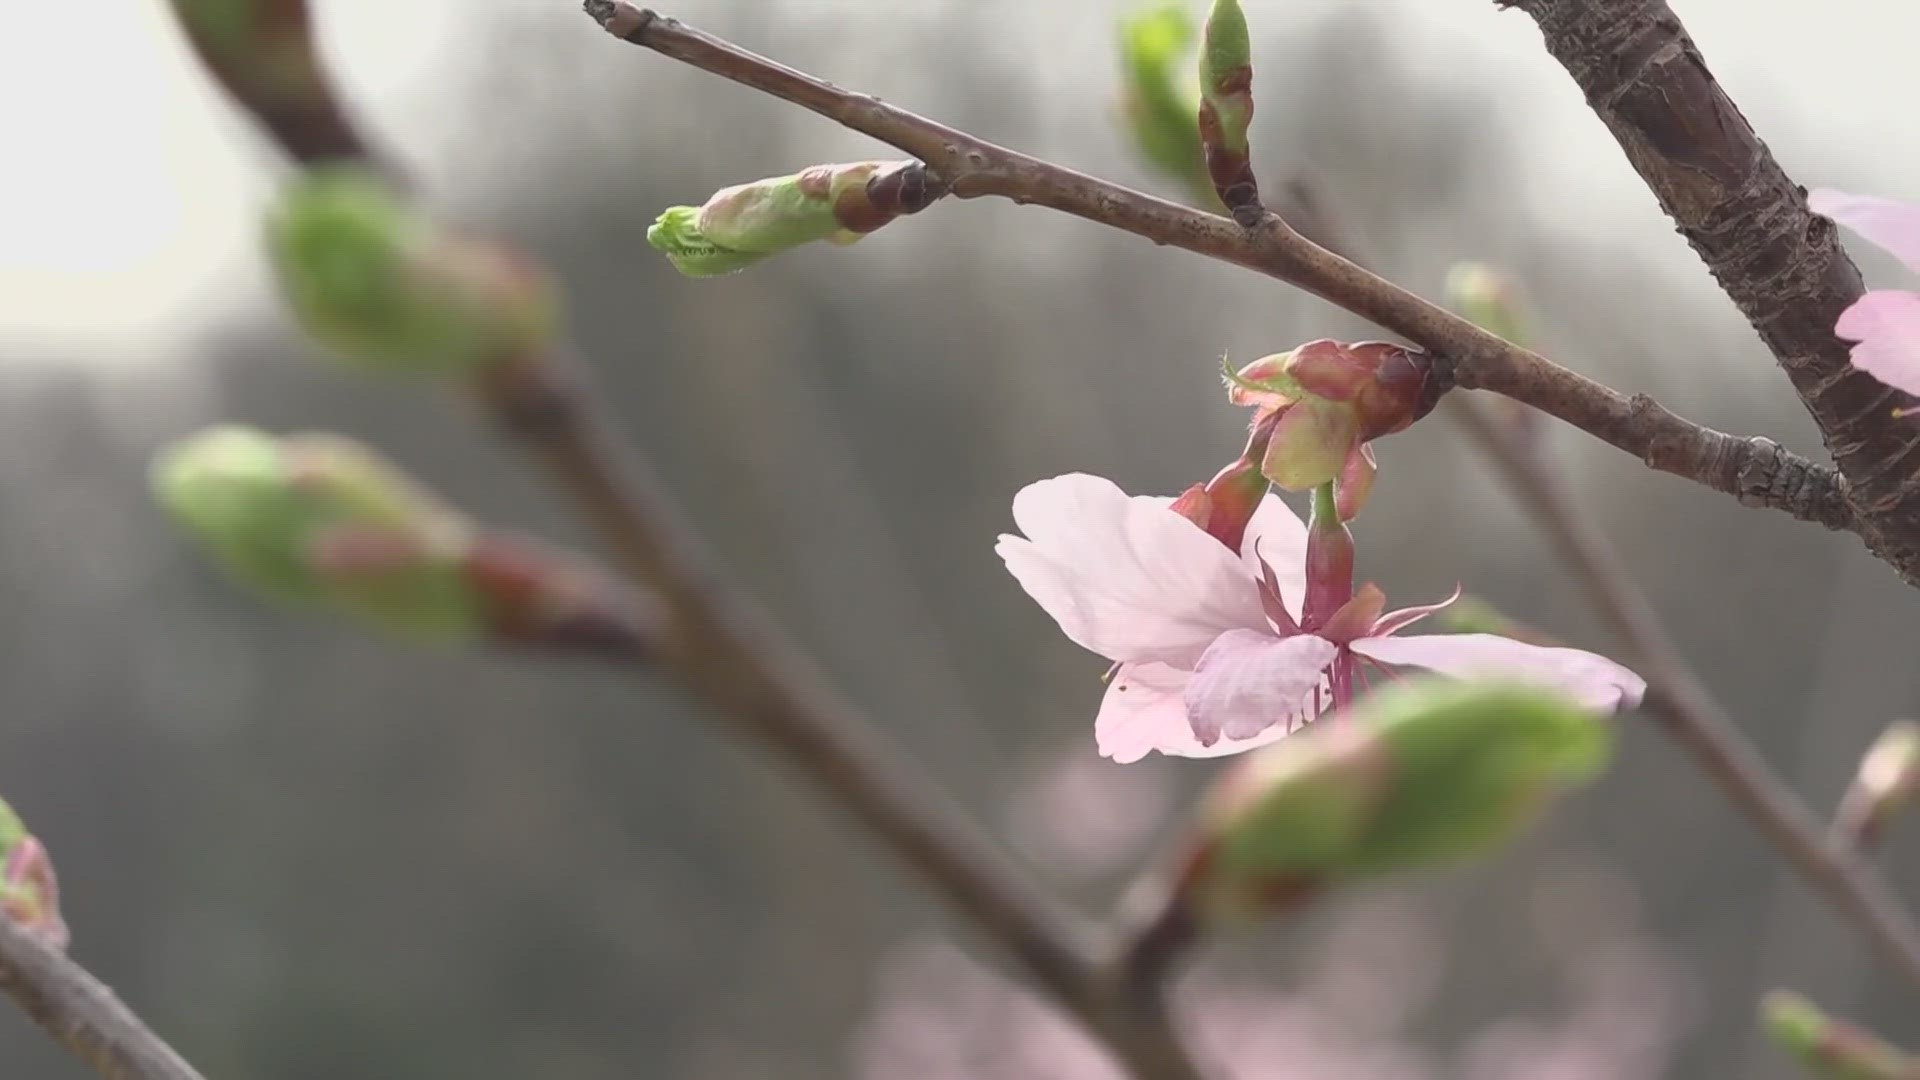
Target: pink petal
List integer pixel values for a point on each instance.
(1126, 577)
(1280, 538)
(1249, 681)
(1145, 711)
(1592, 680)
(1886, 324)
(1886, 223)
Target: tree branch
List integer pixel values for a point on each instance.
(726, 653)
(1756, 471)
(1687, 709)
(81, 1013)
(1781, 265)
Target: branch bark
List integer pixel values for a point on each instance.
(1782, 266)
(81, 1013)
(1754, 470)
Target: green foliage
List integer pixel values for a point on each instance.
(1160, 102)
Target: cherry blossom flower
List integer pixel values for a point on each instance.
(1219, 651)
(1884, 325)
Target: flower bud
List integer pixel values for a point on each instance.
(390, 291)
(1226, 109)
(1829, 1048)
(1488, 299)
(1425, 773)
(744, 224)
(1331, 399)
(29, 892)
(1888, 777)
(1160, 106)
(325, 524)
(320, 522)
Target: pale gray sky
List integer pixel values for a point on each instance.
(129, 202)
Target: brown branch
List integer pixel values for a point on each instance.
(1781, 265)
(1685, 707)
(1756, 471)
(81, 1013)
(727, 654)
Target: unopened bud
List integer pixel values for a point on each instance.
(1426, 773)
(391, 291)
(318, 521)
(1226, 109)
(1489, 299)
(29, 892)
(325, 524)
(1331, 399)
(1832, 1049)
(1888, 777)
(744, 224)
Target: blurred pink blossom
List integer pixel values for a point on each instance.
(939, 1015)
(1884, 325)
(1214, 656)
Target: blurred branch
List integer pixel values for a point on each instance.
(80, 1012)
(722, 650)
(1684, 706)
(1748, 221)
(1754, 470)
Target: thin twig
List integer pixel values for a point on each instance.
(81, 1013)
(1756, 471)
(1782, 266)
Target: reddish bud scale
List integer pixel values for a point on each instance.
(537, 600)
(897, 190)
(1231, 170)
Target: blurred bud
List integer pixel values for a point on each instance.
(1225, 505)
(1160, 105)
(29, 892)
(1884, 785)
(392, 292)
(1829, 1048)
(1488, 298)
(318, 521)
(1425, 773)
(325, 524)
(1331, 399)
(1226, 109)
(263, 52)
(744, 224)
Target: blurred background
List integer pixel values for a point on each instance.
(305, 854)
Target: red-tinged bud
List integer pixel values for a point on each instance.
(1329, 560)
(1331, 399)
(29, 892)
